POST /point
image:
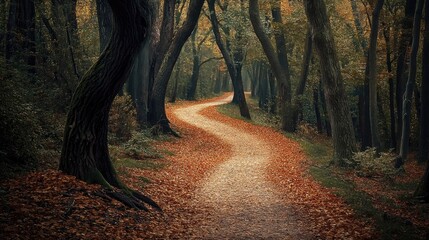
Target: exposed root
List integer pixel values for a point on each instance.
(121, 192)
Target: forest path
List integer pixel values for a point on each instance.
(245, 204)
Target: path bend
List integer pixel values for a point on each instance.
(245, 204)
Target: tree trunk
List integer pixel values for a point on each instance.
(372, 75)
(337, 103)
(406, 117)
(358, 25)
(20, 35)
(85, 151)
(308, 49)
(157, 114)
(195, 68)
(283, 83)
(173, 95)
(234, 70)
(218, 82)
(405, 43)
(317, 110)
(386, 33)
(104, 15)
(424, 96)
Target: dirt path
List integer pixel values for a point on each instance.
(246, 205)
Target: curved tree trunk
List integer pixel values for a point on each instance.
(157, 114)
(337, 104)
(234, 71)
(284, 85)
(85, 150)
(372, 75)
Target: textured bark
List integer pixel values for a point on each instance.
(336, 99)
(424, 96)
(157, 114)
(401, 66)
(104, 15)
(233, 69)
(406, 107)
(283, 82)
(195, 67)
(85, 150)
(372, 76)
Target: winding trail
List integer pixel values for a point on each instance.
(246, 204)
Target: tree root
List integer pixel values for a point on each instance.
(119, 191)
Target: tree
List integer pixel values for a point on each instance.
(157, 115)
(406, 105)
(402, 59)
(336, 99)
(85, 150)
(372, 75)
(424, 117)
(104, 15)
(283, 81)
(234, 64)
(20, 36)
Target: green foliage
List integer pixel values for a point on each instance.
(139, 147)
(122, 120)
(370, 164)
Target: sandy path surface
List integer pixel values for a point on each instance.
(246, 205)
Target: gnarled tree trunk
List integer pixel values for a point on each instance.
(85, 151)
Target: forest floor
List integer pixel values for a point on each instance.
(224, 178)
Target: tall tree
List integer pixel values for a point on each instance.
(372, 75)
(424, 116)
(402, 59)
(157, 115)
(104, 15)
(233, 68)
(20, 36)
(283, 81)
(85, 150)
(406, 107)
(336, 99)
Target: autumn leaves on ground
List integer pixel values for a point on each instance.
(223, 179)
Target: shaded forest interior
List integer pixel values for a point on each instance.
(83, 82)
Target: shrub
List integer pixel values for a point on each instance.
(370, 164)
(122, 120)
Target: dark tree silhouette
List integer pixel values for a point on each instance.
(85, 150)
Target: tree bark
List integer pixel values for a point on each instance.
(406, 106)
(283, 82)
(372, 76)
(104, 15)
(401, 66)
(85, 150)
(337, 103)
(157, 114)
(424, 96)
(234, 70)
(317, 110)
